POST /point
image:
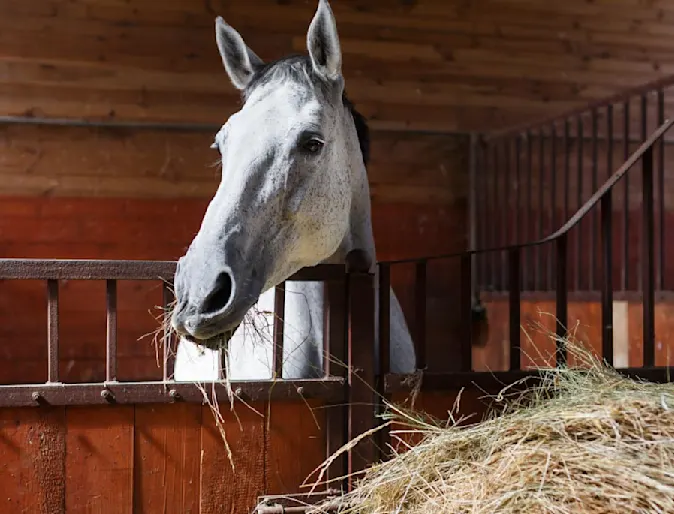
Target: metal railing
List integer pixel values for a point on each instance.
(533, 176)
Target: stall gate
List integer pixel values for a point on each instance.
(146, 447)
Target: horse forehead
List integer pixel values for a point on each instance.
(287, 102)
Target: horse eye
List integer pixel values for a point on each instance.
(313, 145)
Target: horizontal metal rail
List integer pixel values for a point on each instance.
(34, 395)
(80, 269)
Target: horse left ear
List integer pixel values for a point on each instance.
(323, 43)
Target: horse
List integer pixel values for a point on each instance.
(294, 193)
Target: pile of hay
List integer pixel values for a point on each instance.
(581, 442)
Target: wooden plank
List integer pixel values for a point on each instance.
(223, 488)
(294, 429)
(99, 461)
(167, 458)
(32, 470)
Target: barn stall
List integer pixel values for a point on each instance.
(108, 108)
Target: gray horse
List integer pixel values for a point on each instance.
(294, 193)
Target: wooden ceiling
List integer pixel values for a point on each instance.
(432, 65)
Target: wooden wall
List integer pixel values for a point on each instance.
(584, 324)
(422, 64)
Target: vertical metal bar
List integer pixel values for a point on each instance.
(506, 213)
(626, 200)
(473, 204)
(607, 250)
(567, 172)
(420, 313)
(168, 354)
(53, 330)
(384, 350)
(592, 264)
(360, 371)
(561, 299)
(579, 203)
(514, 313)
(553, 200)
(335, 361)
(528, 256)
(494, 213)
(660, 267)
(518, 190)
(644, 134)
(539, 215)
(111, 331)
(647, 263)
(607, 283)
(484, 217)
(279, 317)
(466, 316)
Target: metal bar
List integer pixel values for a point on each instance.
(539, 214)
(592, 264)
(626, 201)
(607, 283)
(528, 255)
(644, 256)
(360, 371)
(420, 284)
(473, 204)
(514, 308)
(506, 215)
(335, 362)
(494, 213)
(579, 195)
(279, 317)
(561, 300)
(580, 213)
(553, 199)
(660, 267)
(53, 331)
(494, 381)
(518, 190)
(647, 263)
(384, 351)
(168, 353)
(77, 269)
(466, 343)
(567, 169)
(32, 395)
(111, 331)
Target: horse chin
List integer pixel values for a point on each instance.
(215, 342)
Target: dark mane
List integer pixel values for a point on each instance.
(298, 68)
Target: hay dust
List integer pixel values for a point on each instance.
(581, 441)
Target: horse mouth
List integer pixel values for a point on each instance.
(217, 341)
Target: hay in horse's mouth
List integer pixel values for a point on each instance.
(216, 342)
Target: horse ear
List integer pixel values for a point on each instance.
(323, 43)
(240, 61)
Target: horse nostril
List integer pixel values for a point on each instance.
(218, 299)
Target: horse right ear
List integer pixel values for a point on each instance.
(240, 61)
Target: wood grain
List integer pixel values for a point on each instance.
(32, 470)
(99, 460)
(87, 162)
(421, 65)
(224, 488)
(167, 456)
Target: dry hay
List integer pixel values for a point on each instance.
(580, 441)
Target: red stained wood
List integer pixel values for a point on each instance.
(99, 460)
(222, 488)
(296, 442)
(33, 448)
(167, 459)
